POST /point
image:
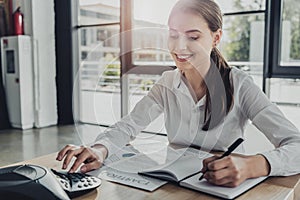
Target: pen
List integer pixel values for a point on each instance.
(228, 152)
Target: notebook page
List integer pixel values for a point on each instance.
(224, 192)
(181, 167)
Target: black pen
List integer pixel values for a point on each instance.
(228, 152)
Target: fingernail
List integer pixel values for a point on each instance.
(71, 171)
(83, 169)
(64, 166)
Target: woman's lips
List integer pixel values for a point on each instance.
(183, 57)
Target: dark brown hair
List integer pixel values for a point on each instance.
(219, 90)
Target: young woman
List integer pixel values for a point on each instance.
(206, 103)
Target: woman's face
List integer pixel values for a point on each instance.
(191, 41)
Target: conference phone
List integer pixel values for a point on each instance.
(30, 182)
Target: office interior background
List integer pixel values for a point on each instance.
(93, 60)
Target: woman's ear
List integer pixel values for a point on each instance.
(217, 35)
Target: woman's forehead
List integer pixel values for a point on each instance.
(185, 21)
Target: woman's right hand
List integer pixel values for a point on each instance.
(91, 158)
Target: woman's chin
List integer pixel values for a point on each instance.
(185, 66)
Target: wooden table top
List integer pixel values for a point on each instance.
(272, 188)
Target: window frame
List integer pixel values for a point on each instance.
(273, 68)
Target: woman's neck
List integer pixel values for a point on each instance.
(196, 83)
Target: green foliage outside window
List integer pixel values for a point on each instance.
(238, 47)
(291, 12)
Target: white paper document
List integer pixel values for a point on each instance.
(122, 167)
(131, 179)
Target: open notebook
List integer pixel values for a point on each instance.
(186, 171)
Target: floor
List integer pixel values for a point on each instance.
(17, 145)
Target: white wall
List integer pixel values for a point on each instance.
(39, 24)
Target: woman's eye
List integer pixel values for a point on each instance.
(193, 38)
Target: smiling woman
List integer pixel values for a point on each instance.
(206, 103)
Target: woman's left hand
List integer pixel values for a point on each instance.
(231, 171)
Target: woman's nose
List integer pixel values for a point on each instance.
(181, 43)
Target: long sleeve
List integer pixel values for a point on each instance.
(122, 132)
(284, 160)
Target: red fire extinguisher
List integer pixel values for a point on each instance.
(18, 20)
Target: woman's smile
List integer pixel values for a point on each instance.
(183, 57)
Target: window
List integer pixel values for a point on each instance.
(98, 12)
(236, 6)
(243, 43)
(149, 53)
(283, 39)
(243, 35)
(283, 61)
(150, 32)
(99, 74)
(290, 34)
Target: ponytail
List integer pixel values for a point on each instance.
(219, 91)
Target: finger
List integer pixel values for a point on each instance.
(69, 155)
(63, 152)
(219, 164)
(84, 156)
(206, 161)
(219, 177)
(227, 177)
(91, 166)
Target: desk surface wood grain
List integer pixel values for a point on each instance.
(276, 188)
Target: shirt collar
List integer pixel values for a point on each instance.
(177, 79)
(202, 101)
(179, 84)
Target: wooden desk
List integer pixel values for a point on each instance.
(280, 188)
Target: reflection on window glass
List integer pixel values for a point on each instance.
(290, 35)
(230, 6)
(99, 11)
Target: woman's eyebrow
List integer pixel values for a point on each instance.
(193, 30)
(188, 31)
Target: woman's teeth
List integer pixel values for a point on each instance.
(183, 57)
